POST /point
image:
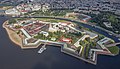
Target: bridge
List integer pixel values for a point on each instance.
(114, 44)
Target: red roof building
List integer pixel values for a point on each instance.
(66, 40)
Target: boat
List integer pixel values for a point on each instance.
(42, 48)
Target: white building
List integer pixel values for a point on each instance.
(117, 12)
(103, 41)
(45, 7)
(36, 7)
(12, 11)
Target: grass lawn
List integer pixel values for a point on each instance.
(114, 50)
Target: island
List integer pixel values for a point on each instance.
(35, 24)
(72, 38)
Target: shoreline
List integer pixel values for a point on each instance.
(14, 37)
(11, 34)
(22, 47)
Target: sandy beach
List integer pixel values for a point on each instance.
(14, 37)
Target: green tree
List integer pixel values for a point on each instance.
(12, 21)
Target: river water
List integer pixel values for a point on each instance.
(13, 57)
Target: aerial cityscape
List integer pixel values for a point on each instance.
(60, 34)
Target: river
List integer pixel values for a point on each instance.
(13, 57)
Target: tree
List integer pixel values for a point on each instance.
(12, 21)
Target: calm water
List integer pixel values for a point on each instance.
(13, 57)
